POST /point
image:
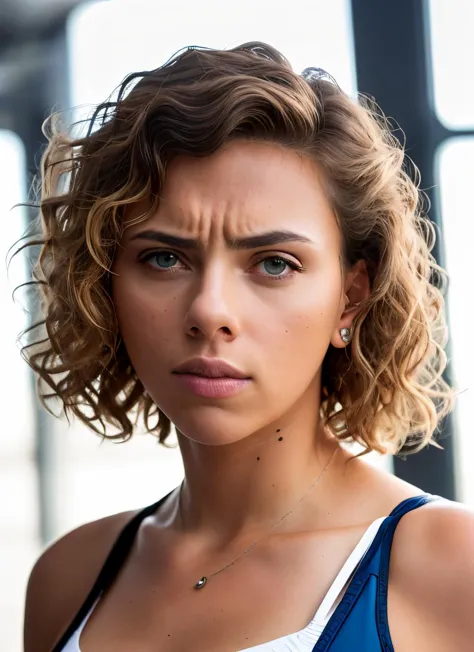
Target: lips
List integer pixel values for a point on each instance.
(210, 368)
(211, 378)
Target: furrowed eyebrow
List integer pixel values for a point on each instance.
(251, 242)
(266, 239)
(166, 238)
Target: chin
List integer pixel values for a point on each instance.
(213, 426)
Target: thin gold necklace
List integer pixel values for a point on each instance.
(205, 579)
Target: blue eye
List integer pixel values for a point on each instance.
(166, 259)
(278, 268)
(162, 259)
(275, 266)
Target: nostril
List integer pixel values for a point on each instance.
(198, 331)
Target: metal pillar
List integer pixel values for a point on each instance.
(37, 85)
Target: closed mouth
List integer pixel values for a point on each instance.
(210, 368)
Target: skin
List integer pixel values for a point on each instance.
(222, 302)
(249, 458)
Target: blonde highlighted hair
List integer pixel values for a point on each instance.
(386, 390)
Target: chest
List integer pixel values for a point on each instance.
(273, 592)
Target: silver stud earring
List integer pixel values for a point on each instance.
(346, 335)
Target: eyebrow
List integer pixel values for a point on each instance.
(251, 242)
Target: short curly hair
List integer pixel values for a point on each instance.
(385, 390)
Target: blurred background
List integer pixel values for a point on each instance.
(414, 56)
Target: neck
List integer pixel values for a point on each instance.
(247, 486)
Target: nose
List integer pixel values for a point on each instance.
(212, 310)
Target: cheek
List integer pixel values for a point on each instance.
(145, 323)
(290, 337)
(300, 326)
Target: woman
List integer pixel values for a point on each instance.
(237, 250)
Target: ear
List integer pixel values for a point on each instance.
(356, 289)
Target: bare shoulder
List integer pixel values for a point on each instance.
(432, 567)
(63, 576)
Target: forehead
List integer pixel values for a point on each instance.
(246, 187)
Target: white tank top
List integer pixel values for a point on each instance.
(305, 639)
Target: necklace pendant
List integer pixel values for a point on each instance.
(201, 583)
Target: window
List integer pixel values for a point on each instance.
(108, 41)
(456, 171)
(19, 543)
(453, 53)
(453, 56)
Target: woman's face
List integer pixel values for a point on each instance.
(240, 264)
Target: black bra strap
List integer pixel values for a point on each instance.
(110, 568)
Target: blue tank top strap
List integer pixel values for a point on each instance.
(384, 537)
(369, 584)
(384, 561)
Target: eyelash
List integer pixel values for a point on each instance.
(294, 267)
